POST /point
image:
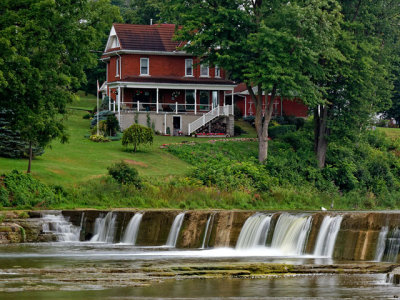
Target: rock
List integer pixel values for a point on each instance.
(11, 233)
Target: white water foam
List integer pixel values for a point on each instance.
(132, 229)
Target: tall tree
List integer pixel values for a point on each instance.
(272, 46)
(360, 84)
(139, 11)
(44, 47)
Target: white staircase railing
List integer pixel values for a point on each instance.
(211, 115)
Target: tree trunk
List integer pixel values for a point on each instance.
(30, 158)
(320, 134)
(262, 127)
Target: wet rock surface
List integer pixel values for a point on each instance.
(113, 275)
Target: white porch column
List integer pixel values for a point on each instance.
(109, 98)
(119, 104)
(165, 123)
(157, 95)
(195, 102)
(224, 97)
(232, 102)
(245, 106)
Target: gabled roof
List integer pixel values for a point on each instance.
(157, 37)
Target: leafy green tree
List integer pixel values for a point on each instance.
(137, 135)
(44, 48)
(272, 46)
(359, 84)
(139, 11)
(125, 174)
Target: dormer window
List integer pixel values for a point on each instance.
(188, 67)
(217, 72)
(117, 67)
(144, 66)
(204, 71)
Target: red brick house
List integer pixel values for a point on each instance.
(148, 76)
(282, 106)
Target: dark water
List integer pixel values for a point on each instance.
(315, 286)
(21, 266)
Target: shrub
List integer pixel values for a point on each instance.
(276, 131)
(112, 125)
(99, 138)
(125, 174)
(102, 128)
(86, 117)
(238, 130)
(25, 191)
(137, 135)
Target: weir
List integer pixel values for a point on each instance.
(345, 235)
(132, 230)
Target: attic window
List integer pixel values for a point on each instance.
(217, 72)
(144, 66)
(188, 67)
(115, 42)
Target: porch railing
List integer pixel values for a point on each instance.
(211, 115)
(176, 107)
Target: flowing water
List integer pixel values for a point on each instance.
(175, 229)
(104, 229)
(132, 229)
(101, 267)
(291, 233)
(254, 232)
(327, 236)
(61, 227)
(207, 231)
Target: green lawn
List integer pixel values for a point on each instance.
(393, 133)
(81, 160)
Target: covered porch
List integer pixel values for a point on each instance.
(196, 104)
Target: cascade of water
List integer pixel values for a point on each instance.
(104, 228)
(291, 233)
(174, 232)
(327, 236)
(61, 227)
(381, 245)
(207, 232)
(254, 231)
(392, 245)
(132, 229)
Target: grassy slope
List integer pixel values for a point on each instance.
(393, 133)
(80, 159)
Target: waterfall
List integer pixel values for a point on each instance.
(207, 232)
(327, 236)
(61, 227)
(254, 231)
(381, 245)
(174, 232)
(132, 229)
(104, 228)
(392, 246)
(291, 233)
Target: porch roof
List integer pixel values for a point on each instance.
(174, 82)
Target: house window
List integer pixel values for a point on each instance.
(188, 67)
(204, 70)
(204, 100)
(189, 99)
(217, 71)
(144, 66)
(117, 67)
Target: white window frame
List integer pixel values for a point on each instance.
(186, 67)
(117, 67)
(148, 66)
(202, 67)
(217, 74)
(194, 96)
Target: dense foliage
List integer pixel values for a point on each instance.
(11, 143)
(365, 174)
(137, 135)
(23, 191)
(45, 47)
(124, 174)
